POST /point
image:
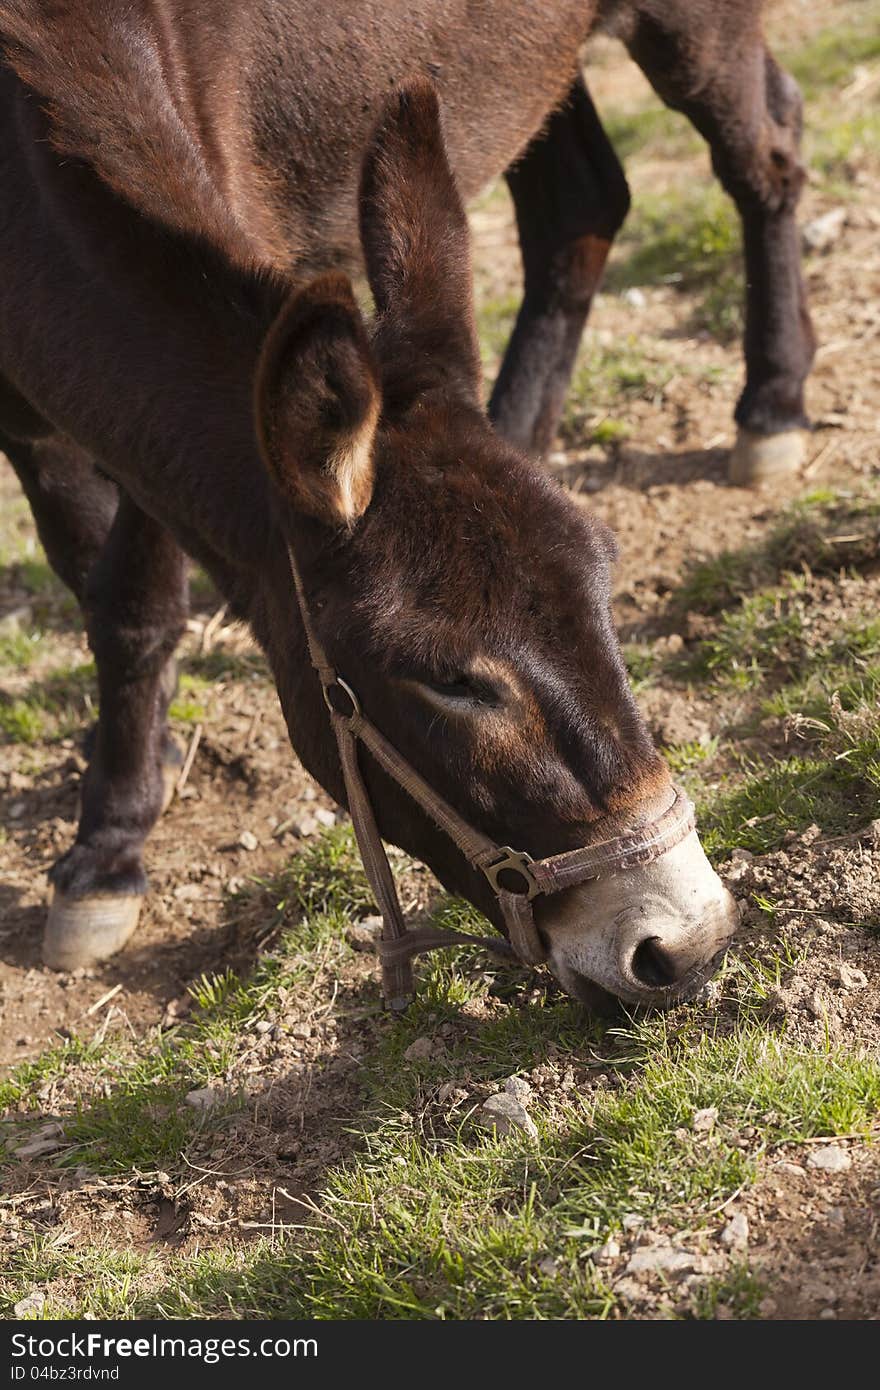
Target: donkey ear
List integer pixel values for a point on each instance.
(417, 250)
(318, 403)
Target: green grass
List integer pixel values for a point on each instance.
(689, 239)
(432, 1219)
(430, 1215)
(53, 707)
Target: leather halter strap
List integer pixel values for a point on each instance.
(515, 878)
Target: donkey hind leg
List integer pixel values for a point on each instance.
(571, 197)
(749, 111)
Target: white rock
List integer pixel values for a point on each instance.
(704, 1120)
(634, 297)
(504, 1113)
(851, 978)
(831, 1158)
(667, 1259)
(248, 840)
(736, 1233)
(823, 231)
(548, 1266)
(419, 1050)
(520, 1090)
(609, 1251)
(324, 817)
(206, 1097)
(632, 1221)
(34, 1303)
(300, 1030)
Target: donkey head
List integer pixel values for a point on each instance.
(463, 594)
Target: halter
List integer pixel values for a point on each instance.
(514, 877)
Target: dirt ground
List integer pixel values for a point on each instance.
(663, 489)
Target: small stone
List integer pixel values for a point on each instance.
(449, 1091)
(300, 1030)
(263, 1026)
(420, 1050)
(794, 1169)
(667, 1259)
(736, 1233)
(548, 1266)
(188, 892)
(306, 827)
(632, 1221)
(520, 1090)
(324, 817)
(248, 840)
(704, 1120)
(609, 1251)
(33, 1305)
(634, 297)
(822, 232)
(505, 1114)
(873, 833)
(17, 810)
(851, 978)
(205, 1098)
(831, 1158)
(46, 1140)
(363, 936)
(827, 1314)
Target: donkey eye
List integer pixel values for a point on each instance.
(465, 688)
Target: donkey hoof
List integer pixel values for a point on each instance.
(82, 931)
(765, 458)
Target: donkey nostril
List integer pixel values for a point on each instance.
(652, 966)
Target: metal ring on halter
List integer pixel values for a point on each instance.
(339, 684)
(512, 861)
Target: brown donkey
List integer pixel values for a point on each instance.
(156, 322)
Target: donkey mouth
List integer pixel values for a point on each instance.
(608, 1002)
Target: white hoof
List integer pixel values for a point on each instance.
(766, 458)
(82, 931)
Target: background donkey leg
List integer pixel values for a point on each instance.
(570, 196)
(749, 111)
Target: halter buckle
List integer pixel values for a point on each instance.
(516, 862)
(339, 684)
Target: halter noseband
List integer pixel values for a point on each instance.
(515, 878)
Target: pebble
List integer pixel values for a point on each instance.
(505, 1114)
(45, 1140)
(248, 840)
(520, 1090)
(324, 817)
(736, 1233)
(822, 232)
(34, 1303)
(827, 1314)
(609, 1251)
(420, 1050)
(634, 297)
(704, 1120)
(632, 1221)
(206, 1097)
(655, 1258)
(851, 978)
(831, 1158)
(300, 1030)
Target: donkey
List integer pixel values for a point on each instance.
(179, 375)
